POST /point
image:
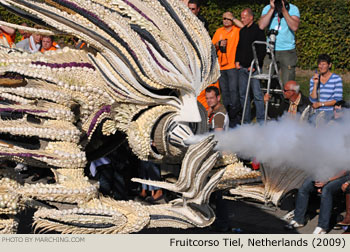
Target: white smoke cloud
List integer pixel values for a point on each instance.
(322, 152)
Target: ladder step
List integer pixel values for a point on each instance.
(263, 76)
(272, 90)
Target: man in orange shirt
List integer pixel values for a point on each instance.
(225, 40)
(47, 44)
(8, 33)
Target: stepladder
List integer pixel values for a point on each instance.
(256, 72)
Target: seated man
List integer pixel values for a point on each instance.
(218, 118)
(294, 101)
(218, 121)
(338, 116)
(47, 44)
(338, 111)
(328, 189)
(346, 189)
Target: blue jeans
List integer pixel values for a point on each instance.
(243, 75)
(228, 82)
(150, 171)
(286, 62)
(317, 119)
(326, 200)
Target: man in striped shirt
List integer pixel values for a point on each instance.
(326, 88)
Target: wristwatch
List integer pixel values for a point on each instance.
(322, 104)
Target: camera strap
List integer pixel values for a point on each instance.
(319, 88)
(279, 23)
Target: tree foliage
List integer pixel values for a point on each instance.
(324, 27)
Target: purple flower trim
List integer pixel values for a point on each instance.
(63, 65)
(139, 11)
(105, 109)
(154, 57)
(24, 155)
(21, 110)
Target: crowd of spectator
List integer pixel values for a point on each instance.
(233, 43)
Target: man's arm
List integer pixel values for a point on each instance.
(292, 21)
(238, 23)
(264, 21)
(238, 52)
(8, 30)
(338, 175)
(215, 40)
(261, 49)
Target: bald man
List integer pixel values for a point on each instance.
(295, 101)
(225, 41)
(244, 56)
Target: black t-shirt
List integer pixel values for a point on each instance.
(204, 21)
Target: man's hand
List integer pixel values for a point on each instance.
(292, 21)
(344, 186)
(223, 42)
(238, 66)
(319, 185)
(266, 97)
(264, 21)
(249, 69)
(316, 105)
(284, 7)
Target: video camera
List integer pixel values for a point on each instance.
(272, 39)
(222, 48)
(278, 7)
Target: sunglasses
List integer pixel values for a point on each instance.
(228, 19)
(287, 90)
(193, 8)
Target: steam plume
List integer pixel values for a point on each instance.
(322, 152)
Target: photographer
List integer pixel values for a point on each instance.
(225, 41)
(282, 17)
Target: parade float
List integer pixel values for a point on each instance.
(145, 64)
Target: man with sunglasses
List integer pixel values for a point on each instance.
(225, 41)
(194, 6)
(295, 102)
